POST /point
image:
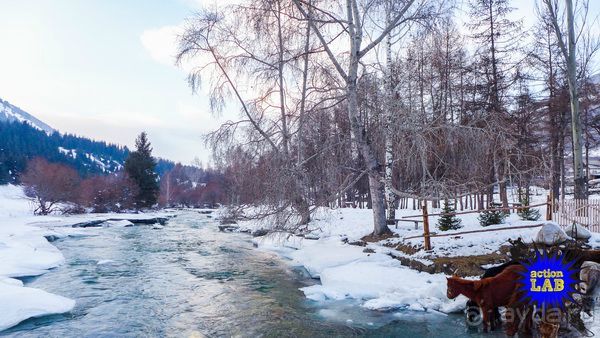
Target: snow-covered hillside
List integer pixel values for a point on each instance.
(11, 113)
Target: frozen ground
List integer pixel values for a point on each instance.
(25, 251)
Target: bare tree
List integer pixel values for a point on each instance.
(567, 40)
(49, 184)
(352, 22)
(245, 58)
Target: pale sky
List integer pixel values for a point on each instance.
(104, 69)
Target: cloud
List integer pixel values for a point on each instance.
(202, 4)
(161, 43)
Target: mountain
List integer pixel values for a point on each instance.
(11, 113)
(23, 137)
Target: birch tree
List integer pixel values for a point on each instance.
(351, 21)
(249, 52)
(567, 41)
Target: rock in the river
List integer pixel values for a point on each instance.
(152, 220)
(228, 228)
(577, 231)
(260, 232)
(227, 221)
(94, 223)
(551, 234)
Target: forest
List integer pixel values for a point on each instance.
(376, 102)
(21, 142)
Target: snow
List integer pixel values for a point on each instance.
(68, 152)
(120, 223)
(24, 251)
(18, 303)
(373, 277)
(11, 113)
(346, 272)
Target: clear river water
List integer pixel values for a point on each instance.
(190, 280)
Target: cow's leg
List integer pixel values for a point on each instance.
(485, 312)
(513, 305)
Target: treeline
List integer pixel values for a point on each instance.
(58, 188)
(186, 186)
(20, 142)
(346, 102)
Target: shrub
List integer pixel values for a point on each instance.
(112, 193)
(527, 214)
(449, 221)
(49, 184)
(491, 217)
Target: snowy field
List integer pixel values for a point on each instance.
(25, 251)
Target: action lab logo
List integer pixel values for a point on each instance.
(548, 280)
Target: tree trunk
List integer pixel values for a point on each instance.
(389, 149)
(579, 177)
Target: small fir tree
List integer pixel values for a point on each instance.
(140, 166)
(491, 217)
(527, 214)
(449, 221)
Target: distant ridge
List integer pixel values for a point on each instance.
(12, 113)
(23, 137)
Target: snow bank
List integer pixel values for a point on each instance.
(380, 281)
(374, 278)
(18, 303)
(120, 223)
(24, 251)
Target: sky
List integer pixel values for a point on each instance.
(104, 69)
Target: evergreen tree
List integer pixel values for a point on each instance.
(527, 214)
(449, 221)
(140, 166)
(491, 217)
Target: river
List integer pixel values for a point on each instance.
(190, 280)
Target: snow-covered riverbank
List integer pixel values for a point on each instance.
(369, 273)
(25, 251)
(378, 280)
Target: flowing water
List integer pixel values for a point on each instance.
(190, 280)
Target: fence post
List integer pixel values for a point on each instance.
(552, 205)
(549, 207)
(426, 227)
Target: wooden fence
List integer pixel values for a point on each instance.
(564, 212)
(584, 212)
(425, 217)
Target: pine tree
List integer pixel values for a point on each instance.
(449, 221)
(491, 217)
(527, 214)
(140, 166)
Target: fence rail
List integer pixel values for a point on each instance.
(564, 212)
(425, 215)
(584, 212)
